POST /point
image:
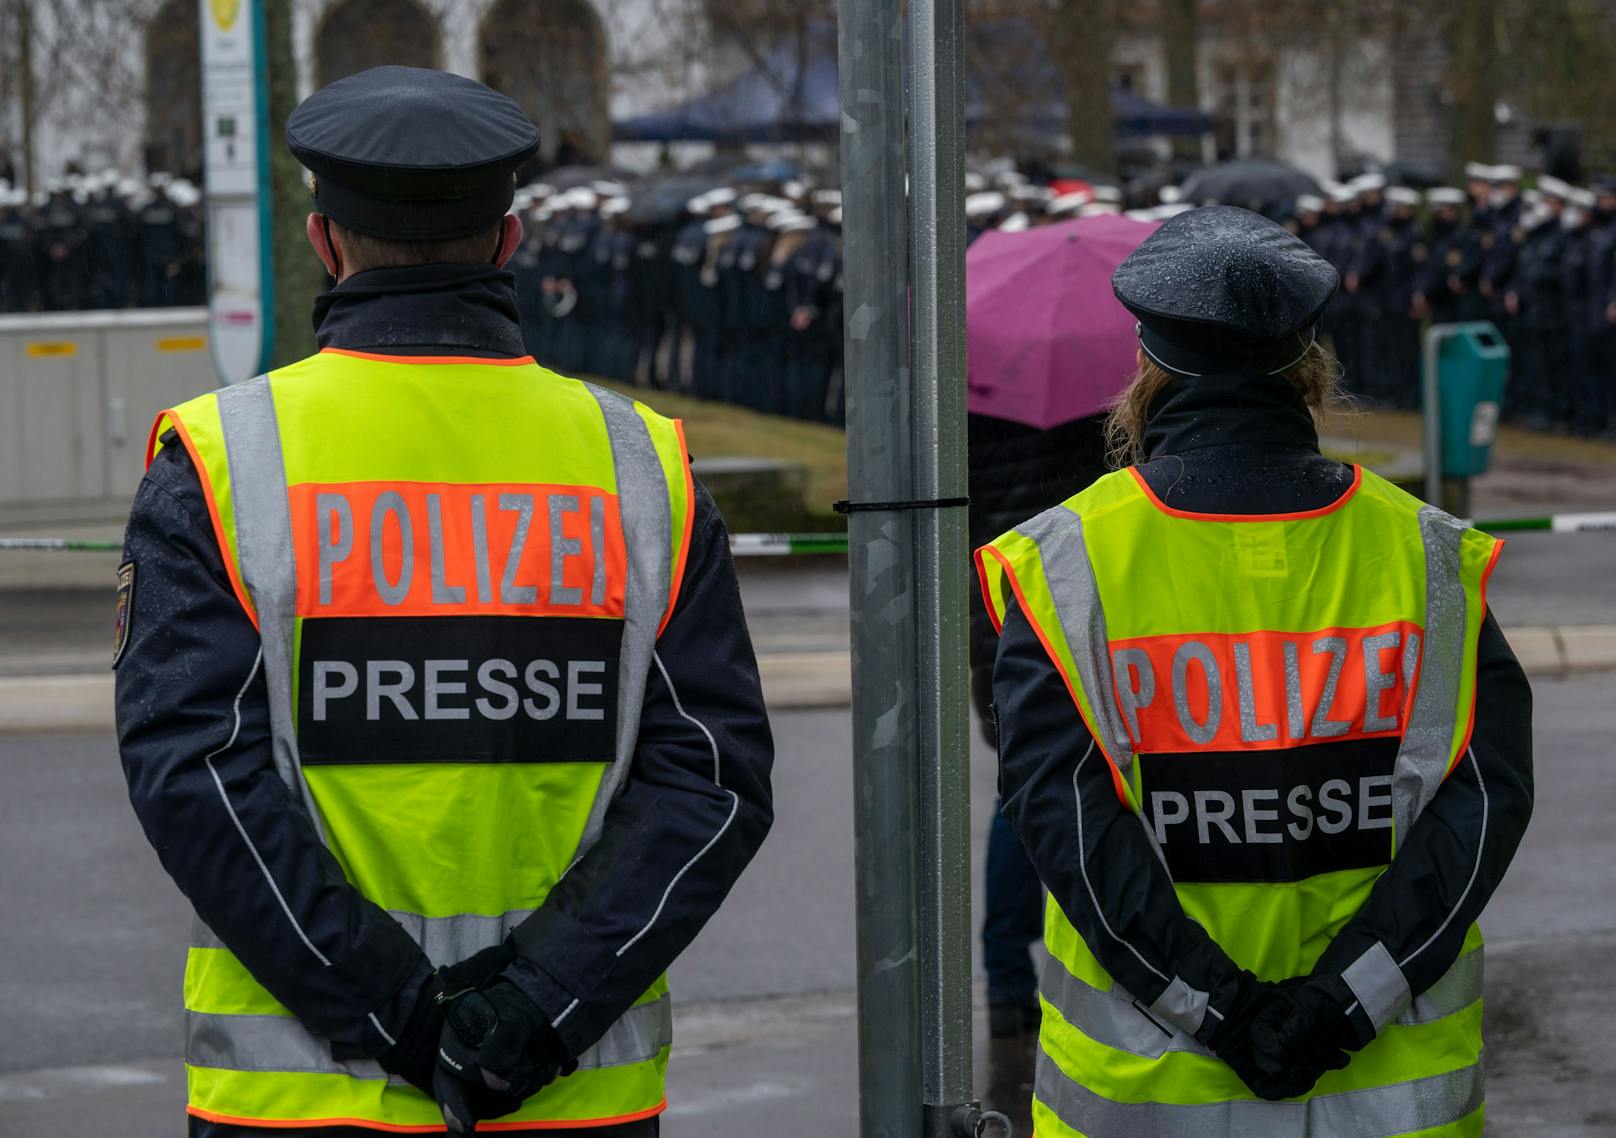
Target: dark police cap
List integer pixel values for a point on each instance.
(410, 153)
(1221, 289)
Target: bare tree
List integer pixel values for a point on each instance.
(1082, 42)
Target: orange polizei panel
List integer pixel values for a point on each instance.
(1265, 690)
(444, 549)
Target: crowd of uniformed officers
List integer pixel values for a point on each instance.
(1539, 263)
(101, 241)
(736, 297)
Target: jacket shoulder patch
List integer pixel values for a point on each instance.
(121, 618)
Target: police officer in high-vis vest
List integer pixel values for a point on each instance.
(1260, 735)
(435, 695)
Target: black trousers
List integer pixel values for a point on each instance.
(645, 1128)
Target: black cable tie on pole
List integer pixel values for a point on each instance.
(846, 507)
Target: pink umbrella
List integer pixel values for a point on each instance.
(1047, 341)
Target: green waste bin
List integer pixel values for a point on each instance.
(1472, 362)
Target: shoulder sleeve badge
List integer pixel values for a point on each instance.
(121, 618)
(1487, 240)
(1418, 253)
(1455, 258)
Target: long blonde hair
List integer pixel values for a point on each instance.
(1317, 376)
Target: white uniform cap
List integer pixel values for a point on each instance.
(982, 204)
(541, 189)
(778, 220)
(611, 207)
(723, 224)
(1584, 198)
(794, 190)
(1309, 203)
(1015, 223)
(580, 198)
(1446, 195)
(1066, 203)
(1099, 209)
(834, 216)
(1343, 195)
(1402, 195)
(1368, 183)
(974, 183)
(723, 195)
(1478, 171)
(826, 197)
(1550, 186)
(700, 205)
(1010, 178)
(1169, 195)
(1531, 197)
(1504, 173)
(793, 225)
(1107, 194)
(609, 189)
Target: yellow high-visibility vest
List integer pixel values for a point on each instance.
(1257, 638)
(458, 568)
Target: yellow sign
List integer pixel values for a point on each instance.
(225, 12)
(49, 348)
(181, 344)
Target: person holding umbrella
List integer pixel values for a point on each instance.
(1267, 748)
(1049, 350)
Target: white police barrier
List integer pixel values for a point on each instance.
(78, 392)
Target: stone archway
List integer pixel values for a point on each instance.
(551, 57)
(356, 35)
(174, 91)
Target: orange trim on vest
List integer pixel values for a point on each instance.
(982, 582)
(1191, 515)
(1054, 659)
(213, 512)
(690, 522)
(1470, 727)
(496, 361)
(422, 1128)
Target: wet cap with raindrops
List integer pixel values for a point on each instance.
(1221, 289)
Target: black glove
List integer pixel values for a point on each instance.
(415, 1054)
(1260, 1058)
(497, 1049)
(1306, 1028)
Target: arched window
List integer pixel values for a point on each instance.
(550, 56)
(356, 35)
(174, 91)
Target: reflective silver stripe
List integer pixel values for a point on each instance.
(642, 500)
(1378, 984)
(1117, 1020)
(1459, 987)
(263, 518)
(445, 940)
(1112, 1018)
(449, 940)
(281, 1043)
(1427, 746)
(1058, 534)
(1375, 1112)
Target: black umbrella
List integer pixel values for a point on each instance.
(662, 201)
(1251, 182)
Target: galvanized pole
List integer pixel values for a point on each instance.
(937, 355)
(904, 273)
(881, 565)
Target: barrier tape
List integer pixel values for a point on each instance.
(801, 544)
